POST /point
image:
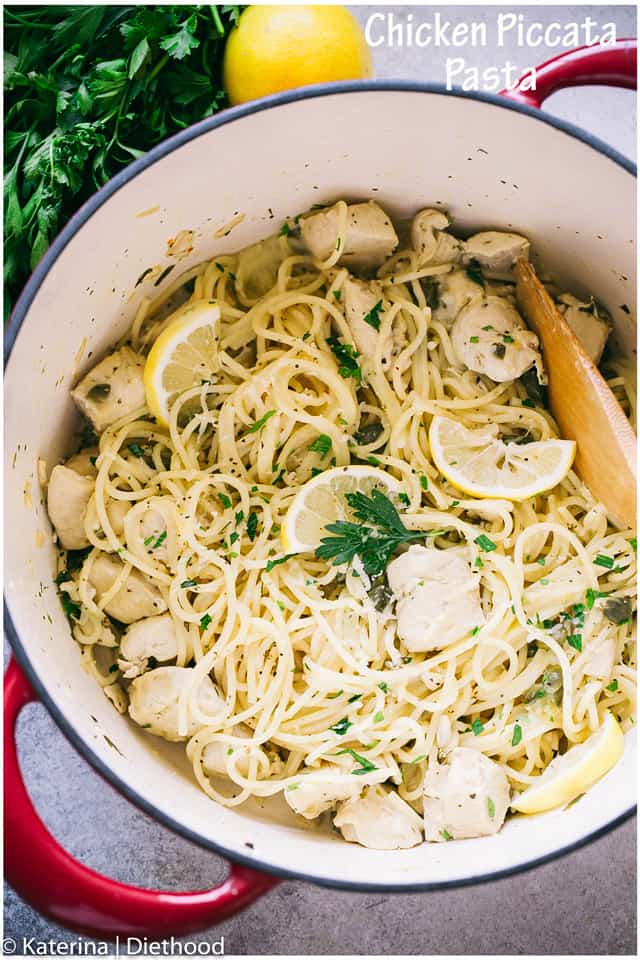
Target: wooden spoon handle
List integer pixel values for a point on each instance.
(583, 404)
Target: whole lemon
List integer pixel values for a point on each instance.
(279, 47)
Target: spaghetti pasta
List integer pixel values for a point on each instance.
(314, 685)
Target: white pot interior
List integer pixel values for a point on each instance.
(489, 166)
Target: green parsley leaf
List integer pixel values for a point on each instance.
(424, 482)
(445, 833)
(491, 807)
(373, 316)
(252, 525)
(341, 726)
(188, 583)
(474, 339)
(517, 735)
(365, 765)
(278, 560)
(477, 727)
(575, 641)
(346, 356)
(379, 717)
(135, 449)
(603, 561)
(259, 424)
(322, 445)
(384, 687)
(205, 621)
(613, 686)
(485, 543)
(224, 500)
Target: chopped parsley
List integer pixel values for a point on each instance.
(474, 272)
(379, 717)
(479, 562)
(341, 726)
(613, 686)
(507, 338)
(485, 543)
(445, 833)
(259, 424)
(224, 500)
(188, 583)
(517, 735)
(404, 498)
(477, 727)
(346, 356)
(384, 687)
(252, 525)
(373, 316)
(278, 560)
(205, 621)
(72, 610)
(355, 697)
(603, 561)
(424, 482)
(575, 641)
(528, 402)
(135, 449)
(474, 339)
(322, 445)
(491, 807)
(284, 230)
(365, 765)
(337, 294)
(474, 631)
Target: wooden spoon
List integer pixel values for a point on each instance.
(582, 404)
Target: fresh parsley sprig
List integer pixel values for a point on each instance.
(88, 89)
(374, 539)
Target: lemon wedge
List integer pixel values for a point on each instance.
(322, 500)
(480, 464)
(182, 357)
(575, 771)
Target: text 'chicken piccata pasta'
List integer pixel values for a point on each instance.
(322, 530)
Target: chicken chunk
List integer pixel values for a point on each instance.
(257, 268)
(379, 819)
(67, 497)
(113, 389)
(600, 657)
(84, 462)
(489, 337)
(151, 639)
(438, 597)
(154, 702)
(310, 796)
(363, 300)
(370, 236)
(496, 253)
(117, 510)
(430, 241)
(467, 797)
(455, 292)
(215, 754)
(137, 597)
(590, 324)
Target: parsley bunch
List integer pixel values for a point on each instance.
(374, 539)
(87, 90)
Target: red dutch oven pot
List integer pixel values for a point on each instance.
(36, 865)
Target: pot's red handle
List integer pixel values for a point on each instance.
(48, 878)
(614, 65)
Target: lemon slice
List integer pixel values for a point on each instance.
(322, 500)
(182, 357)
(575, 771)
(479, 463)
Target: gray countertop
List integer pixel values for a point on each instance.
(583, 903)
